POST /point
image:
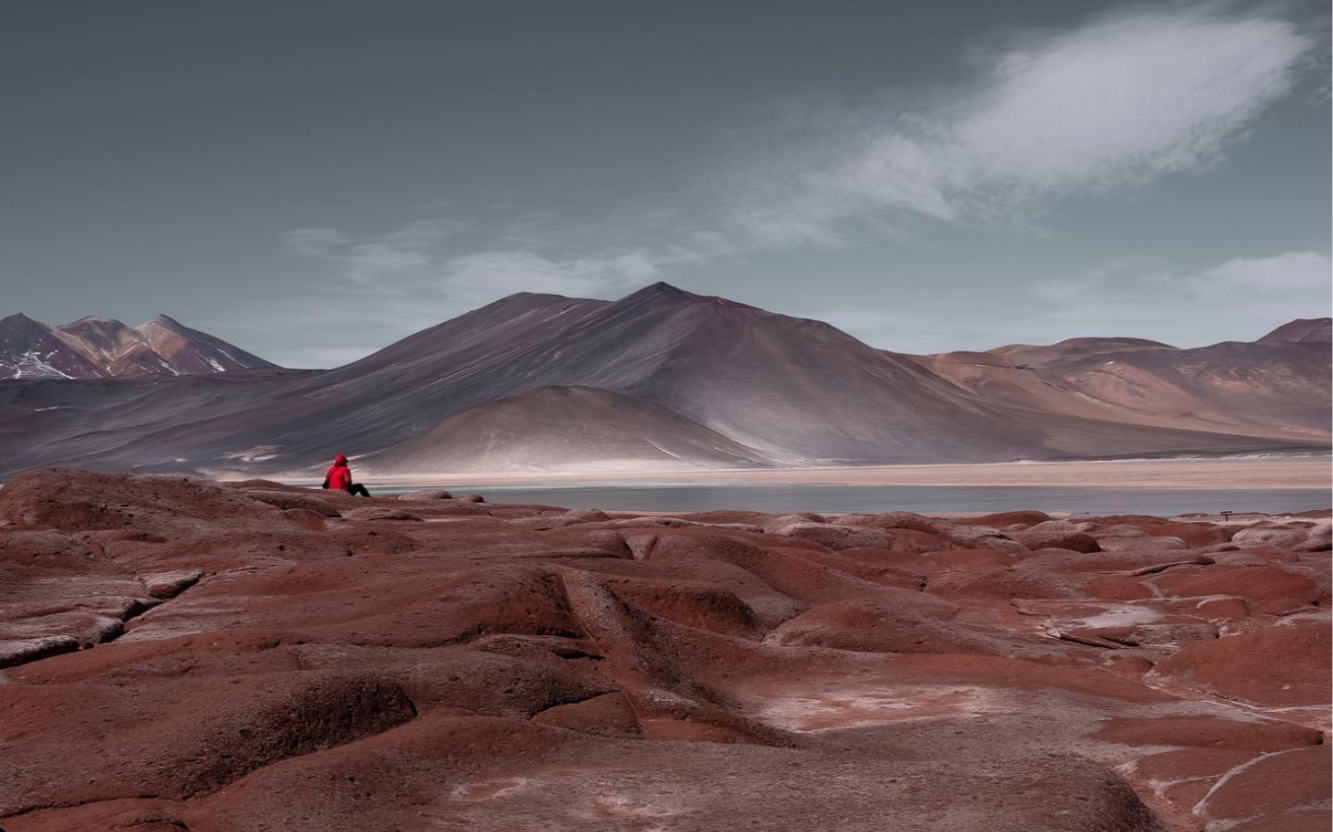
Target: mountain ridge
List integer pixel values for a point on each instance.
(771, 389)
(97, 347)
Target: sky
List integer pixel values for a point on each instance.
(314, 180)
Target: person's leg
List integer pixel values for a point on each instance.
(358, 490)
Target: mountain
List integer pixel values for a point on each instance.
(543, 381)
(105, 348)
(793, 389)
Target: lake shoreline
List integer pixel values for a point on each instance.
(1201, 473)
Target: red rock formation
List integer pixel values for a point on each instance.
(179, 654)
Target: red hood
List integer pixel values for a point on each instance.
(340, 460)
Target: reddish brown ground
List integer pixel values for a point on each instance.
(184, 655)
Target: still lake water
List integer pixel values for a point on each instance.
(785, 499)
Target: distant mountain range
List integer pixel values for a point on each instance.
(667, 379)
(105, 348)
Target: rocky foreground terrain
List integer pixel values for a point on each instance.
(180, 654)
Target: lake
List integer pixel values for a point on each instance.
(785, 499)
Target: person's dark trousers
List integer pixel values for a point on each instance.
(356, 489)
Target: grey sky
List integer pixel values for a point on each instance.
(313, 180)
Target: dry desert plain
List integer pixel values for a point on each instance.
(180, 654)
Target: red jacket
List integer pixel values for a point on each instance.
(339, 476)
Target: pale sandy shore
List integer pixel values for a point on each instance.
(1302, 472)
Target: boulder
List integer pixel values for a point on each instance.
(1057, 538)
(426, 494)
(837, 537)
(18, 651)
(170, 584)
(1283, 537)
(379, 513)
(586, 515)
(289, 500)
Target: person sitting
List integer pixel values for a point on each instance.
(340, 477)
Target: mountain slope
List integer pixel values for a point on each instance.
(565, 429)
(1275, 387)
(95, 347)
(786, 384)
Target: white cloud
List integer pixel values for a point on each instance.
(313, 242)
(1113, 104)
(1299, 271)
(380, 263)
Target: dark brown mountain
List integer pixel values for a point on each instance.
(780, 390)
(105, 348)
